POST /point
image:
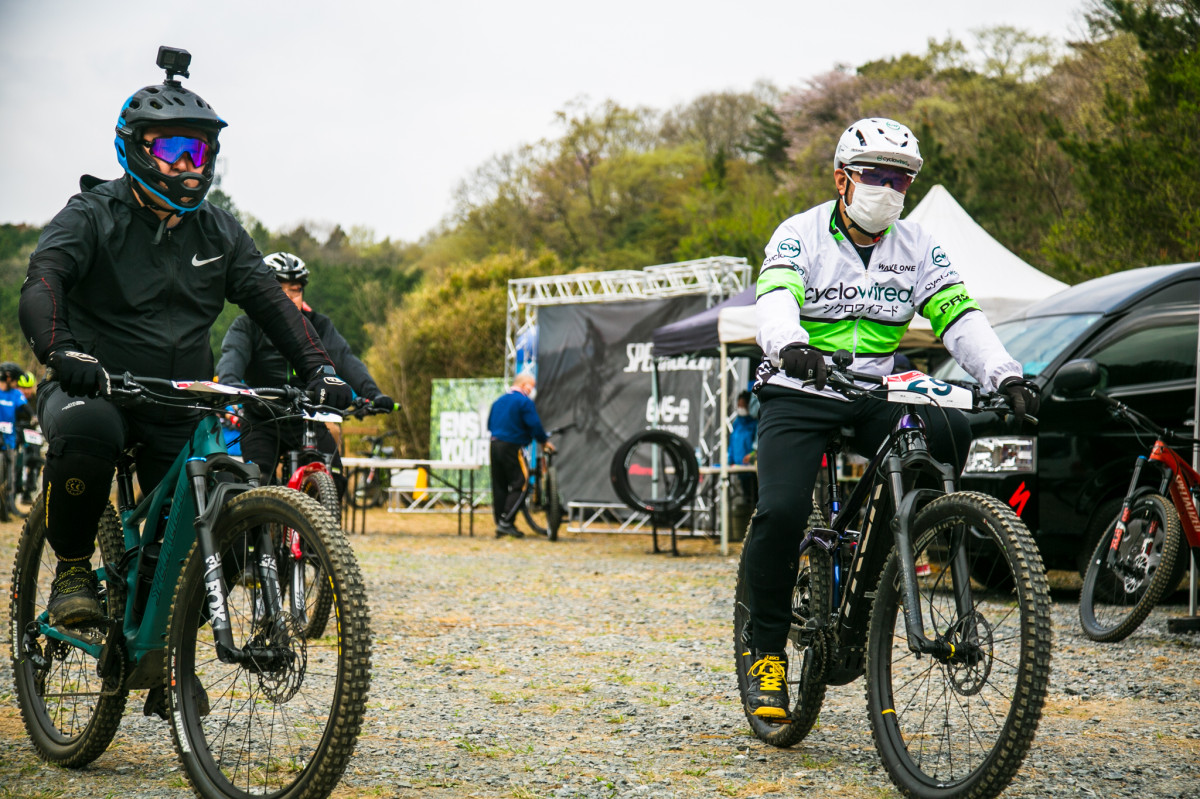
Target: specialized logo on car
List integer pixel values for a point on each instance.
(843, 292)
(939, 257)
(789, 248)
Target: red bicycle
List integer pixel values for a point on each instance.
(1141, 556)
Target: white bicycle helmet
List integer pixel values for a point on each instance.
(878, 141)
(288, 268)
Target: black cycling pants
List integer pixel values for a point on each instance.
(85, 437)
(793, 429)
(507, 479)
(264, 443)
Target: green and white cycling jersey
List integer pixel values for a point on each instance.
(814, 289)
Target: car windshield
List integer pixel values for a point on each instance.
(1033, 342)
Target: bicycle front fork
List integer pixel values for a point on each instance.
(905, 503)
(259, 566)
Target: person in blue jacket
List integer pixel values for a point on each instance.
(513, 423)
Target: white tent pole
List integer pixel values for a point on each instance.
(722, 411)
(1195, 465)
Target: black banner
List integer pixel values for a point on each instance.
(594, 367)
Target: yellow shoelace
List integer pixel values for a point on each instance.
(770, 671)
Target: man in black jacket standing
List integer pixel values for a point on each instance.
(129, 277)
(248, 357)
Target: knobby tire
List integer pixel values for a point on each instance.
(1114, 601)
(74, 730)
(812, 596)
(318, 597)
(286, 730)
(960, 727)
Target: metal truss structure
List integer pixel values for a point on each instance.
(717, 278)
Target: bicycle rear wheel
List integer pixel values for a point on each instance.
(1116, 599)
(310, 585)
(961, 725)
(806, 645)
(70, 713)
(285, 723)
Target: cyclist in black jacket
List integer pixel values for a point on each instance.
(130, 276)
(248, 357)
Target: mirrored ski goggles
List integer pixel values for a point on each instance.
(172, 148)
(890, 176)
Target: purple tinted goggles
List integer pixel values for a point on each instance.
(890, 176)
(172, 148)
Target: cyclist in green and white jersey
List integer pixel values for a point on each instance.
(849, 275)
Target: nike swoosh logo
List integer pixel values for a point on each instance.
(197, 262)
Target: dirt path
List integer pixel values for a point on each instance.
(591, 668)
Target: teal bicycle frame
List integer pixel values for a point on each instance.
(188, 509)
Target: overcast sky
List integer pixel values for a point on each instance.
(368, 113)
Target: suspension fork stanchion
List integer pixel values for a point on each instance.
(218, 599)
(1123, 519)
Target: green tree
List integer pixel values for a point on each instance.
(451, 327)
(1136, 168)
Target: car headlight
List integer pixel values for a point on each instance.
(1001, 454)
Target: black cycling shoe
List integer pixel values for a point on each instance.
(503, 529)
(74, 597)
(767, 694)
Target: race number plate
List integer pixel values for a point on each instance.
(918, 388)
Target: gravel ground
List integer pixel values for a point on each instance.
(592, 668)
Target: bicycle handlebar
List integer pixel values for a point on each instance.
(204, 394)
(910, 385)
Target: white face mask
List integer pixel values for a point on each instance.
(743, 412)
(875, 208)
(532, 393)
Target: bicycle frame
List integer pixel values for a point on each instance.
(904, 451)
(1179, 481)
(193, 510)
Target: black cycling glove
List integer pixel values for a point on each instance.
(80, 374)
(326, 388)
(384, 403)
(1022, 396)
(802, 362)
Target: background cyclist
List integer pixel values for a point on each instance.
(248, 357)
(847, 274)
(13, 409)
(130, 276)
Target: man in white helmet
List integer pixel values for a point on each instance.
(846, 275)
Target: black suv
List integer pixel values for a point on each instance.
(1066, 476)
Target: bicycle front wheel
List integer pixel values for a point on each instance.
(365, 489)
(960, 726)
(300, 572)
(807, 643)
(285, 722)
(70, 712)
(1116, 599)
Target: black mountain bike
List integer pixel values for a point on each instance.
(198, 584)
(956, 673)
(369, 484)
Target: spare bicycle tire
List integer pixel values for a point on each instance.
(680, 455)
